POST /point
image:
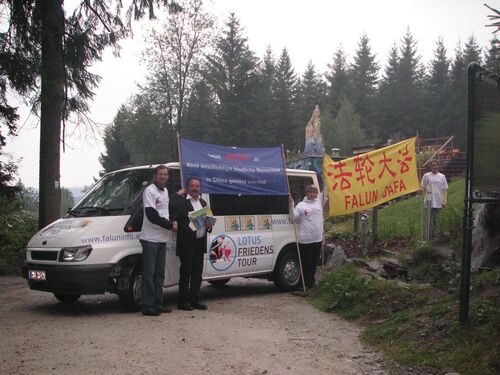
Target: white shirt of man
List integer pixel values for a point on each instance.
(433, 185)
(200, 232)
(157, 199)
(309, 213)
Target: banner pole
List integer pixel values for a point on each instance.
(423, 222)
(324, 200)
(292, 219)
(180, 158)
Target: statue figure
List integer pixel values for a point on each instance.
(314, 140)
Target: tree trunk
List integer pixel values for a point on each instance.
(52, 100)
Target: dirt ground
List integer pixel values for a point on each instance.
(249, 328)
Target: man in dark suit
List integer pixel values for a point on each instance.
(191, 245)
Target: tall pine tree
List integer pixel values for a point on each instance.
(266, 114)
(231, 72)
(363, 73)
(492, 57)
(438, 91)
(386, 116)
(338, 82)
(45, 49)
(116, 154)
(284, 99)
(409, 85)
(457, 106)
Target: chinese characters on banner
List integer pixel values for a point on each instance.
(369, 179)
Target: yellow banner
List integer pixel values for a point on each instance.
(370, 179)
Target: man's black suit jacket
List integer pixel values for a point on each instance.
(178, 209)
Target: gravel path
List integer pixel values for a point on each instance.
(249, 328)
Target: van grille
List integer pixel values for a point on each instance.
(44, 255)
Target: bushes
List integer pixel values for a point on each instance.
(423, 252)
(16, 228)
(356, 296)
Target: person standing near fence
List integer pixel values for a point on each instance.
(435, 189)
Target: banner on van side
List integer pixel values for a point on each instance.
(234, 170)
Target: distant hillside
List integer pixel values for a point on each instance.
(77, 192)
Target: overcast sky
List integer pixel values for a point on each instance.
(310, 30)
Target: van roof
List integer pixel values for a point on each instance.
(175, 165)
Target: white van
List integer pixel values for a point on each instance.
(95, 248)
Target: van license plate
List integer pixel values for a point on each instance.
(36, 275)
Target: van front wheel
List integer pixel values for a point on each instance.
(287, 272)
(132, 295)
(67, 298)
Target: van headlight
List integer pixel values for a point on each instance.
(75, 254)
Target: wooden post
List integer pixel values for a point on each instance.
(375, 224)
(357, 221)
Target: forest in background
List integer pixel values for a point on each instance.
(210, 86)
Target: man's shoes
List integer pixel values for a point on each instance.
(150, 313)
(199, 306)
(163, 309)
(184, 306)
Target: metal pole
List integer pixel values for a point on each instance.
(364, 233)
(180, 159)
(472, 69)
(374, 224)
(428, 220)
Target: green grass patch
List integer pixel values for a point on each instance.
(339, 224)
(416, 324)
(345, 292)
(426, 266)
(418, 327)
(431, 336)
(406, 218)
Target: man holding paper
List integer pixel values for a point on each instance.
(191, 244)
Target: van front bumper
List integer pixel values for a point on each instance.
(70, 279)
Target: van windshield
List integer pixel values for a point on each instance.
(114, 194)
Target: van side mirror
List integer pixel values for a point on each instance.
(134, 223)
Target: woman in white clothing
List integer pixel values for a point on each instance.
(309, 216)
(435, 189)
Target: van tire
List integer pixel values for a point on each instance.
(67, 298)
(218, 283)
(287, 272)
(132, 296)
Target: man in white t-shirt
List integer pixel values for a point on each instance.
(153, 239)
(435, 189)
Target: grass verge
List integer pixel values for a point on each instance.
(418, 326)
(406, 218)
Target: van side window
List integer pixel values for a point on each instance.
(298, 187)
(222, 204)
(174, 181)
(134, 223)
(259, 204)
